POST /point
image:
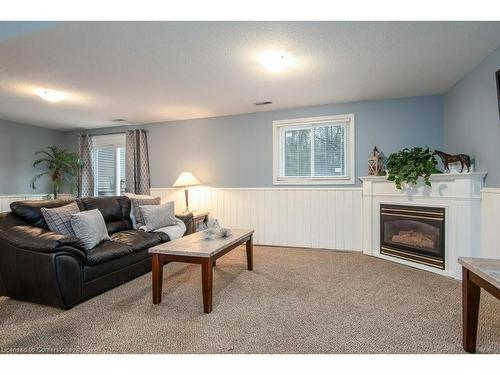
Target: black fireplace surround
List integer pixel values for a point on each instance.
(413, 233)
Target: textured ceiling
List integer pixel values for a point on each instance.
(159, 71)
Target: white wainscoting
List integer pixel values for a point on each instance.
(490, 223)
(6, 200)
(299, 217)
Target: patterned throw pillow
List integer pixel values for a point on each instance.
(136, 214)
(59, 219)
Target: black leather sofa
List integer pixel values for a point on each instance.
(45, 267)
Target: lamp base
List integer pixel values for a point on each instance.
(186, 195)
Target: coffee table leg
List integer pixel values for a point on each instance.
(207, 284)
(470, 309)
(250, 253)
(157, 271)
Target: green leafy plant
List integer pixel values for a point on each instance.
(408, 165)
(61, 165)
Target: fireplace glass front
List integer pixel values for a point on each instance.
(414, 233)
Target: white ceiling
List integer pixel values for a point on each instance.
(159, 71)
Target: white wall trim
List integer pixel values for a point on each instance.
(293, 217)
(490, 223)
(319, 188)
(490, 190)
(7, 199)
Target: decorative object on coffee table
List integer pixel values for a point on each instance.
(463, 159)
(375, 163)
(477, 273)
(225, 232)
(211, 229)
(194, 249)
(186, 179)
(408, 165)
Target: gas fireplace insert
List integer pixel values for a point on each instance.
(413, 233)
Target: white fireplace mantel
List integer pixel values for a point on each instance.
(458, 193)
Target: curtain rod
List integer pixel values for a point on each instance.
(112, 133)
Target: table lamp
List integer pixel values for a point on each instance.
(186, 179)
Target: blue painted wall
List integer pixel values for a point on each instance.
(237, 151)
(471, 119)
(18, 144)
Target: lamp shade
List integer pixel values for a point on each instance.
(186, 179)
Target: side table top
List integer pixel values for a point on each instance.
(197, 246)
(488, 269)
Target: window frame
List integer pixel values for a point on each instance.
(279, 127)
(117, 141)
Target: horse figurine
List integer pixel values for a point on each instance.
(447, 159)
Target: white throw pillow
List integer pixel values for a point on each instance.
(90, 228)
(156, 217)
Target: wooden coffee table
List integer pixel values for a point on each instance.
(195, 249)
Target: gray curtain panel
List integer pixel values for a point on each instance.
(86, 174)
(137, 179)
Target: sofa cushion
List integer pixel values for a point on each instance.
(31, 211)
(139, 240)
(107, 251)
(115, 210)
(92, 272)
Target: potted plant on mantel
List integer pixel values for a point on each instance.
(408, 165)
(61, 165)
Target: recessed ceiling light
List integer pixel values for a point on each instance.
(275, 60)
(50, 95)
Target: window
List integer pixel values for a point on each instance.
(109, 164)
(318, 150)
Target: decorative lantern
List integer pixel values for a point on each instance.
(375, 163)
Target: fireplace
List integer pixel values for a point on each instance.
(414, 233)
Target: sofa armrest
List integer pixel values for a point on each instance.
(36, 239)
(188, 221)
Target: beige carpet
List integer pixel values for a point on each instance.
(295, 301)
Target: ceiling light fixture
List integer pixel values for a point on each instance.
(275, 60)
(50, 95)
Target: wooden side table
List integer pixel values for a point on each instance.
(198, 218)
(192, 220)
(477, 273)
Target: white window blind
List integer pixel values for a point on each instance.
(109, 164)
(314, 150)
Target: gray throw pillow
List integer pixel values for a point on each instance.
(59, 219)
(156, 217)
(90, 228)
(135, 213)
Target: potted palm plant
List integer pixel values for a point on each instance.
(60, 164)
